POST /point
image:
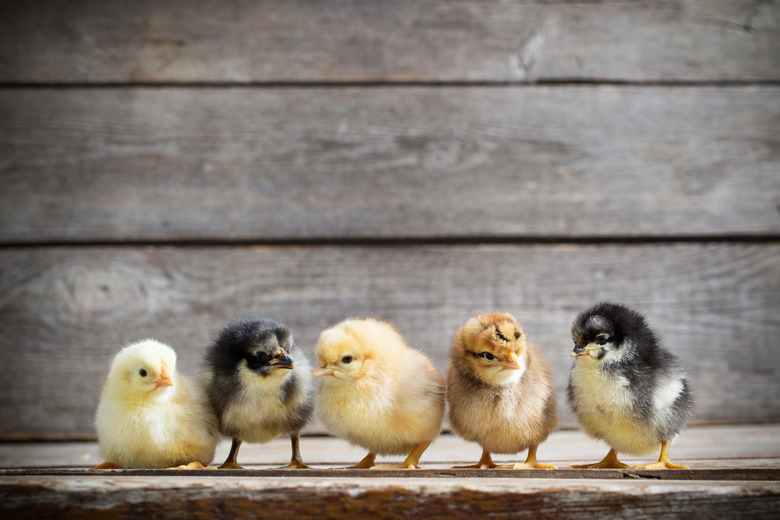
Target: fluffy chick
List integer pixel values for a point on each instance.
(499, 390)
(151, 416)
(624, 387)
(260, 384)
(377, 392)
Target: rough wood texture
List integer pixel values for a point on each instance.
(743, 452)
(440, 40)
(188, 497)
(120, 164)
(65, 311)
(724, 474)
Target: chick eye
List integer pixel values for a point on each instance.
(142, 372)
(488, 356)
(601, 340)
(346, 359)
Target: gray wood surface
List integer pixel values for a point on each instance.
(721, 450)
(188, 496)
(66, 311)
(149, 164)
(346, 41)
(734, 472)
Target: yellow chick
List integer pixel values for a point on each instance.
(499, 390)
(377, 392)
(151, 416)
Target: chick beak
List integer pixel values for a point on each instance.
(580, 350)
(283, 362)
(322, 371)
(511, 363)
(165, 376)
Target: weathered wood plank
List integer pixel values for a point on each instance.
(440, 40)
(228, 497)
(728, 449)
(82, 165)
(65, 311)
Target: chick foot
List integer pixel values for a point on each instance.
(106, 465)
(230, 465)
(411, 461)
(193, 465)
(485, 462)
(609, 462)
(530, 462)
(663, 460)
(366, 463)
(295, 461)
(232, 459)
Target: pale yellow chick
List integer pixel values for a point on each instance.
(377, 392)
(151, 416)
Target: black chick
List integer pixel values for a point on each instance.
(624, 387)
(260, 384)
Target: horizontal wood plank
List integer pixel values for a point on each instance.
(388, 497)
(430, 41)
(66, 311)
(161, 164)
(743, 452)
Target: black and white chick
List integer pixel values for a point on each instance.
(624, 387)
(260, 384)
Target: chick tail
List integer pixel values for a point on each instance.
(609, 462)
(663, 460)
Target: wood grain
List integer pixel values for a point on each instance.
(169, 164)
(228, 497)
(742, 452)
(207, 41)
(65, 311)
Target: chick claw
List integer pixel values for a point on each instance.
(106, 465)
(412, 460)
(530, 462)
(295, 464)
(396, 466)
(661, 465)
(366, 463)
(485, 462)
(610, 461)
(230, 465)
(527, 465)
(193, 465)
(663, 460)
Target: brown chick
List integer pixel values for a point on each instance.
(377, 392)
(500, 390)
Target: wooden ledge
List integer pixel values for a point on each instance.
(734, 474)
(748, 471)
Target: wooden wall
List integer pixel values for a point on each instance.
(165, 166)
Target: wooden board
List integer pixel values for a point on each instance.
(426, 41)
(712, 452)
(65, 311)
(389, 497)
(52, 479)
(216, 164)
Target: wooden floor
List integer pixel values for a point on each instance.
(734, 473)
